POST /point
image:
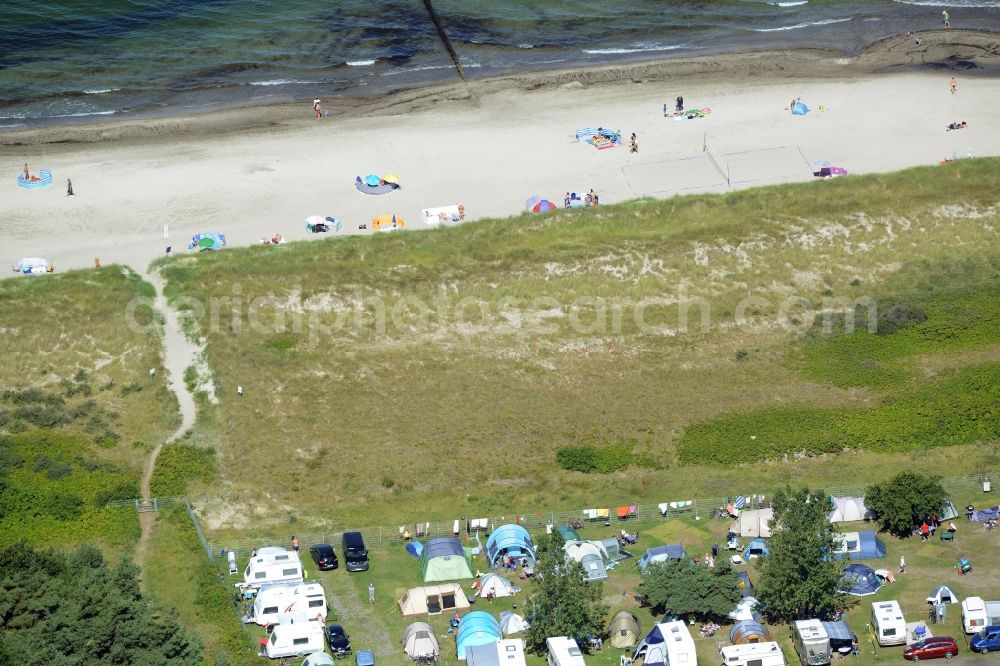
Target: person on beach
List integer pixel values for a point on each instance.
(946, 18)
(916, 37)
(567, 201)
(633, 146)
(27, 174)
(317, 109)
(69, 187)
(679, 107)
(954, 86)
(957, 126)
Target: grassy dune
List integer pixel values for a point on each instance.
(438, 374)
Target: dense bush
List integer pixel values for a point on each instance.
(896, 317)
(593, 459)
(178, 465)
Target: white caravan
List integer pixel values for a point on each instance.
(273, 566)
(274, 602)
(669, 644)
(293, 639)
(978, 614)
(888, 623)
(812, 643)
(564, 651)
(753, 654)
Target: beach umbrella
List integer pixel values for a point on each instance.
(838, 171)
(390, 178)
(373, 180)
(543, 206)
(315, 219)
(206, 242)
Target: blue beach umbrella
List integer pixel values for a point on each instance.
(373, 180)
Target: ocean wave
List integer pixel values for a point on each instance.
(282, 82)
(361, 63)
(395, 72)
(638, 49)
(802, 25)
(958, 4)
(83, 113)
(790, 4)
(100, 91)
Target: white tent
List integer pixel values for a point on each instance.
(591, 555)
(498, 585)
(512, 623)
(745, 610)
(419, 641)
(433, 599)
(753, 523)
(318, 659)
(942, 595)
(848, 510)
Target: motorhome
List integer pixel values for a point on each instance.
(668, 643)
(812, 643)
(888, 623)
(753, 654)
(563, 651)
(273, 566)
(978, 614)
(293, 639)
(273, 602)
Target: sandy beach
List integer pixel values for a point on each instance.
(491, 145)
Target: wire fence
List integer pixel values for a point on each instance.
(377, 537)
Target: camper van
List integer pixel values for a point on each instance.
(564, 651)
(355, 552)
(812, 643)
(753, 654)
(273, 566)
(888, 623)
(293, 639)
(978, 614)
(273, 602)
(668, 643)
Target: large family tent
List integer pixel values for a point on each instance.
(433, 599)
(753, 523)
(858, 546)
(672, 551)
(512, 540)
(859, 580)
(444, 559)
(848, 510)
(476, 628)
(756, 548)
(512, 623)
(666, 643)
(591, 555)
(749, 632)
(623, 632)
(498, 586)
(419, 641)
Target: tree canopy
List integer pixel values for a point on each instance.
(563, 603)
(904, 500)
(59, 608)
(799, 579)
(683, 588)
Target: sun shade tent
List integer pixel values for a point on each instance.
(858, 546)
(444, 559)
(749, 632)
(800, 109)
(497, 585)
(753, 523)
(318, 659)
(419, 641)
(859, 580)
(756, 548)
(942, 594)
(623, 632)
(433, 599)
(512, 623)
(511, 540)
(672, 551)
(476, 628)
(591, 556)
(848, 510)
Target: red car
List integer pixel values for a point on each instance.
(932, 648)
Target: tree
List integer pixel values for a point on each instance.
(563, 603)
(798, 578)
(683, 588)
(903, 501)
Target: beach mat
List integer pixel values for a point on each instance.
(384, 188)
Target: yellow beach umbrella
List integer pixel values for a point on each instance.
(390, 178)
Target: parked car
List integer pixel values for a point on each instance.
(364, 658)
(324, 556)
(986, 640)
(932, 648)
(338, 640)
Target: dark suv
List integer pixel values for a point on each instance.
(355, 552)
(324, 557)
(932, 648)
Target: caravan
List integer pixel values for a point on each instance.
(274, 602)
(273, 566)
(978, 614)
(295, 638)
(811, 642)
(888, 623)
(753, 654)
(667, 644)
(563, 651)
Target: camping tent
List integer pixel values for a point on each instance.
(858, 546)
(623, 632)
(859, 580)
(318, 659)
(419, 641)
(756, 548)
(673, 551)
(746, 609)
(476, 628)
(749, 632)
(512, 623)
(511, 540)
(942, 594)
(567, 533)
(848, 510)
(948, 510)
(614, 550)
(591, 555)
(744, 584)
(497, 585)
(433, 599)
(753, 523)
(444, 559)
(800, 109)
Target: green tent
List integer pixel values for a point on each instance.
(444, 559)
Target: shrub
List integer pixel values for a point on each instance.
(64, 506)
(592, 459)
(42, 416)
(179, 464)
(53, 469)
(32, 396)
(896, 317)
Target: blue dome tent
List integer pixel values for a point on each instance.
(511, 540)
(756, 548)
(800, 109)
(477, 628)
(859, 580)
